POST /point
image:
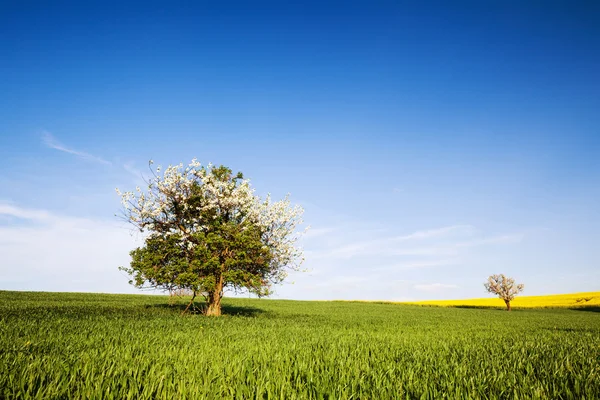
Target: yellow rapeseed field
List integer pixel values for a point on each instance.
(555, 300)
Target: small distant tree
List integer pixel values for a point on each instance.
(206, 230)
(504, 287)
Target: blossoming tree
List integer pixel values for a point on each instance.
(504, 287)
(206, 230)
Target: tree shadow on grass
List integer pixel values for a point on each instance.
(483, 308)
(243, 311)
(198, 309)
(586, 308)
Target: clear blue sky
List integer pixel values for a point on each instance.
(431, 143)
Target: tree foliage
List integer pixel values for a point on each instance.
(504, 287)
(206, 231)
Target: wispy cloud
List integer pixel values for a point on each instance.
(10, 210)
(444, 241)
(432, 233)
(57, 252)
(50, 141)
(417, 264)
(434, 287)
(317, 232)
(431, 254)
(130, 167)
(501, 239)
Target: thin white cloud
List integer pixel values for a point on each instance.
(317, 232)
(349, 287)
(57, 252)
(417, 264)
(50, 141)
(434, 287)
(10, 210)
(422, 242)
(501, 239)
(129, 167)
(337, 263)
(432, 233)
(139, 179)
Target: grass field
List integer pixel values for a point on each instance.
(65, 346)
(572, 300)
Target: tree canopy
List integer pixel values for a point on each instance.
(504, 287)
(206, 230)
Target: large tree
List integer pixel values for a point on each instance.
(206, 230)
(504, 287)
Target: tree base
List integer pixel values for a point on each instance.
(213, 310)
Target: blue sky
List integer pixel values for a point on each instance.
(431, 143)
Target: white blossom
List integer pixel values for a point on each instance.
(153, 208)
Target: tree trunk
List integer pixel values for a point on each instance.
(214, 298)
(507, 305)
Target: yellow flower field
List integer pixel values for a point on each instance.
(555, 300)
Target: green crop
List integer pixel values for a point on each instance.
(73, 346)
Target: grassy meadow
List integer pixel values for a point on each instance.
(66, 345)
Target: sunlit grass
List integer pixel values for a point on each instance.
(76, 346)
(585, 299)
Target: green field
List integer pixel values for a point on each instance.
(71, 346)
